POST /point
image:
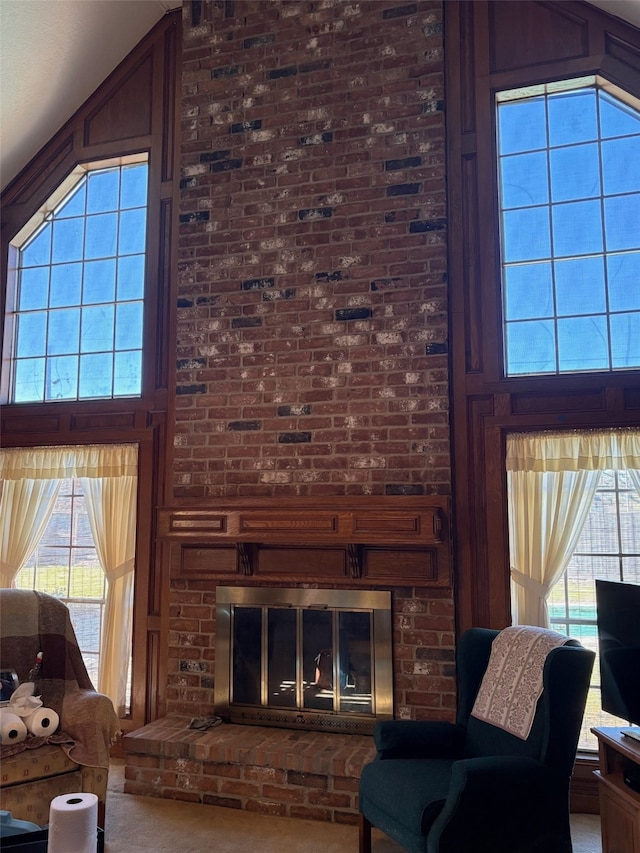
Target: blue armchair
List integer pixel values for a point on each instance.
(472, 787)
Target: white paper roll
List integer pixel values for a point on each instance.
(44, 721)
(73, 824)
(12, 728)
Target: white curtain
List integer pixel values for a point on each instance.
(25, 510)
(109, 477)
(552, 479)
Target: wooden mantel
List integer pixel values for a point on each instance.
(399, 540)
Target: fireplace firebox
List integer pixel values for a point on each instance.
(316, 659)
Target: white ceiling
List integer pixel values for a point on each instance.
(54, 54)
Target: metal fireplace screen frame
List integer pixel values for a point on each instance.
(317, 659)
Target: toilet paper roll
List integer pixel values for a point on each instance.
(73, 824)
(12, 728)
(44, 721)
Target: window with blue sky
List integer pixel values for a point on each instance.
(569, 183)
(77, 323)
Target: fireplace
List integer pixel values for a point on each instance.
(317, 659)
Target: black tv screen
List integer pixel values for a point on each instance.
(618, 617)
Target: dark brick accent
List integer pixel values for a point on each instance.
(427, 225)
(403, 489)
(293, 411)
(317, 138)
(434, 29)
(191, 389)
(208, 156)
(315, 213)
(244, 426)
(399, 12)
(244, 126)
(404, 163)
(353, 313)
(207, 300)
(294, 438)
(424, 653)
(188, 183)
(257, 283)
(276, 73)
(226, 165)
(198, 216)
(246, 322)
(433, 106)
(256, 41)
(225, 71)
(207, 682)
(190, 363)
(437, 349)
(382, 283)
(194, 666)
(330, 276)
(318, 65)
(403, 189)
(183, 302)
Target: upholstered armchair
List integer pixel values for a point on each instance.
(475, 787)
(76, 757)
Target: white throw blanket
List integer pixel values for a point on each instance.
(512, 683)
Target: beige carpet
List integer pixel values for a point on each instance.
(168, 826)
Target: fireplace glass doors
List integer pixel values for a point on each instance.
(304, 658)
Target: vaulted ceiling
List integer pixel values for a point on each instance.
(54, 54)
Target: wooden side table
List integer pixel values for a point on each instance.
(619, 803)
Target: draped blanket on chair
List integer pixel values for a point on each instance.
(512, 683)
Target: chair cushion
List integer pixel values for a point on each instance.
(32, 764)
(403, 797)
(31, 801)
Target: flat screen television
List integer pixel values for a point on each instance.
(618, 619)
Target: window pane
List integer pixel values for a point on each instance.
(526, 234)
(524, 180)
(134, 186)
(64, 327)
(132, 231)
(623, 273)
(583, 344)
(522, 126)
(101, 236)
(32, 334)
(129, 326)
(127, 374)
(74, 204)
(68, 237)
(572, 117)
(622, 215)
(96, 379)
(575, 172)
(630, 522)
(625, 340)
(528, 291)
(599, 535)
(62, 377)
(34, 288)
(631, 569)
(580, 286)
(102, 191)
(38, 250)
(99, 282)
(531, 347)
(97, 329)
(616, 118)
(621, 165)
(577, 228)
(131, 277)
(66, 285)
(29, 380)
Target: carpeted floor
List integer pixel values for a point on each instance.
(168, 826)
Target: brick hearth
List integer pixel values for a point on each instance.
(311, 775)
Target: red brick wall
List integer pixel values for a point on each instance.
(312, 311)
(312, 322)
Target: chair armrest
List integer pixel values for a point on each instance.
(418, 739)
(496, 801)
(90, 719)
